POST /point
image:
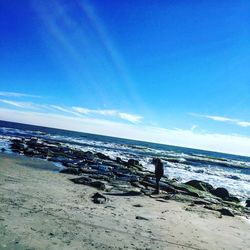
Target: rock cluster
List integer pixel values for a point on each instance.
(119, 177)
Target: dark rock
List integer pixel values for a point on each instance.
(137, 205)
(226, 211)
(248, 203)
(73, 171)
(81, 180)
(224, 195)
(129, 193)
(87, 181)
(89, 155)
(99, 176)
(69, 164)
(119, 160)
(29, 152)
(99, 198)
(3, 150)
(33, 143)
(163, 186)
(141, 218)
(97, 184)
(233, 199)
(201, 185)
(102, 156)
(201, 202)
(221, 193)
(133, 162)
(17, 145)
(137, 184)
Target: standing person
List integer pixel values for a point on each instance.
(159, 172)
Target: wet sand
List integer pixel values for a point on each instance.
(40, 209)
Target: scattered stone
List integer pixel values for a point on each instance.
(129, 193)
(102, 156)
(248, 203)
(81, 180)
(98, 184)
(88, 181)
(201, 202)
(224, 195)
(141, 218)
(137, 205)
(201, 185)
(99, 198)
(133, 162)
(226, 211)
(73, 171)
(221, 192)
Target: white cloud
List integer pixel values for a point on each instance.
(76, 111)
(81, 110)
(234, 144)
(25, 105)
(109, 112)
(13, 103)
(16, 94)
(243, 124)
(65, 110)
(131, 118)
(224, 119)
(219, 118)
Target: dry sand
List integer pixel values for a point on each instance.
(40, 209)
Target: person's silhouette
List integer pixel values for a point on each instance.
(159, 172)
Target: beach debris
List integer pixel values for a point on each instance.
(99, 198)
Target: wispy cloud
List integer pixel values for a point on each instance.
(75, 111)
(131, 118)
(109, 112)
(223, 119)
(16, 94)
(86, 111)
(26, 105)
(243, 124)
(65, 110)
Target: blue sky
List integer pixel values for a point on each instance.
(164, 71)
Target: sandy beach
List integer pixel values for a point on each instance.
(41, 209)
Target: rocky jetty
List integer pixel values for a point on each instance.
(119, 177)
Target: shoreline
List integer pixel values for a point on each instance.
(70, 220)
(218, 172)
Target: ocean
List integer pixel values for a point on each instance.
(183, 164)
